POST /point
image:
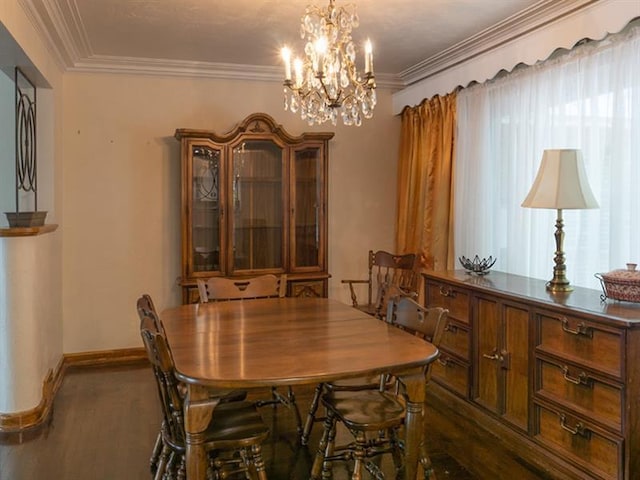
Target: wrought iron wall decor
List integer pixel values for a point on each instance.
(26, 156)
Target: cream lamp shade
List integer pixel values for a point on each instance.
(561, 182)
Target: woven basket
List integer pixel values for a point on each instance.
(621, 284)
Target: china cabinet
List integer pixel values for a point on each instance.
(254, 201)
(537, 384)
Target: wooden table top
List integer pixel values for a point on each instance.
(239, 344)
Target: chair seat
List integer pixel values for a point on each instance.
(366, 409)
(235, 424)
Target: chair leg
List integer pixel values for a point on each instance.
(359, 455)
(258, 462)
(425, 462)
(155, 454)
(328, 436)
(327, 464)
(396, 453)
(181, 473)
(311, 416)
(169, 470)
(162, 463)
(288, 400)
(291, 400)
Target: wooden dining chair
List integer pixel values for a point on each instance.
(151, 321)
(223, 288)
(236, 429)
(374, 417)
(370, 382)
(217, 289)
(388, 275)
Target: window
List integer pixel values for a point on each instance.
(589, 99)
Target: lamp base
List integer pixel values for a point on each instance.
(559, 286)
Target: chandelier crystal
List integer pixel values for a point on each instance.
(326, 84)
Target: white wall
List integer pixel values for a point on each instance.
(122, 191)
(31, 267)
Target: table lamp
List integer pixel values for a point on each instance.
(561, 183)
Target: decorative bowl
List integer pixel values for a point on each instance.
(477, 265)
(25, 219)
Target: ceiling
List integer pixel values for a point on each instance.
(242, 38)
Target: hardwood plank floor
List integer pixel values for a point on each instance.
(105, 421)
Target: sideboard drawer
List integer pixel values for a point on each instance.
(451, 373)
(456, 340)
(595, 397)
(452, 298)
(578, 441)
(594, 345)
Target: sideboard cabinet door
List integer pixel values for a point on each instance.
(502, 363)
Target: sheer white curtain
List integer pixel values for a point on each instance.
(587, 99)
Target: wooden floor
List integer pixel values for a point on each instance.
(105, 421)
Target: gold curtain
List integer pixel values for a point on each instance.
(425, 173)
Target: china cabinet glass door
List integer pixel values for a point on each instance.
(307, 208)
(257, 203)
(205, 217)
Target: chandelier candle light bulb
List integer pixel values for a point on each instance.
(368, 58)
(286, 58)
(327, 83)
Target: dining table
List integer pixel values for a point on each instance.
(288, 341)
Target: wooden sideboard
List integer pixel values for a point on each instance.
(531, 384)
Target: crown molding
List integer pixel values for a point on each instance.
(522, 23)
(68, 41)
(72, 50)
(179, 68)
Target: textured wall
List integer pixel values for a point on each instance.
(122, 191)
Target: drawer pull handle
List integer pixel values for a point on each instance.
(443, 361)
(579, 429)
(451, 328)
(447, 292)
(581, 329)
(581, 379)
(494, 356)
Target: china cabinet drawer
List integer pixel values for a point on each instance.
(582, 390)
(456, 340)
(580, 442)
(596, 346)
(451, 373)
(307, 289)
(450, 297)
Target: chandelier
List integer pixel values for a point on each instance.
(326, 83)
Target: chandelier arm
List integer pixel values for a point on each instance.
(334, 102)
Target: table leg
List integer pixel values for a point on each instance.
(414, 385)
(198, 410)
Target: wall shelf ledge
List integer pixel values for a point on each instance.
(27, 231)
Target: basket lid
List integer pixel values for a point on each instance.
(629, 274)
